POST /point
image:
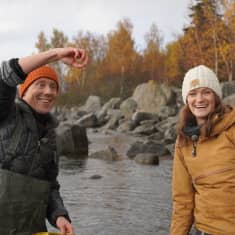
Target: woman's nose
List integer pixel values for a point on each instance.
(199, 97)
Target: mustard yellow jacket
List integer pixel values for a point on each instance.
(203, 187)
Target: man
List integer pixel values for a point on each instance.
(29, 190)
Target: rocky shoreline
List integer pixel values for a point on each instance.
(150, 114)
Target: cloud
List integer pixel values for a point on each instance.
(22, 20)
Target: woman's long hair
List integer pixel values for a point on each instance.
(186, 118)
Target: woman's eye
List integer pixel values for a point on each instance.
(192, 94)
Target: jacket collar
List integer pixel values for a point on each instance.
(220, 123)
(46, 119)
(223, 124)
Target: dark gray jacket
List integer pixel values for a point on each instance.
(34, 153)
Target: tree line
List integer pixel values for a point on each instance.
(116, 66)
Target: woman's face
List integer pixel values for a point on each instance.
(201, 102)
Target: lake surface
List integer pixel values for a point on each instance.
(128, 199)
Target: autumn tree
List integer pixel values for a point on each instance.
(121, 56)
(58, 39)
(42, 43)
(174, 61)
(153, 58)
(228, 49)
(96, 46)
(202, 36)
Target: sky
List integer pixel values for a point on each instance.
(22, 20)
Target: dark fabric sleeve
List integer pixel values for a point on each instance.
(11, 75)
(56, 206)
(7, 97)
(16, 67)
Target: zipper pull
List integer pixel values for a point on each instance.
(194, 140)
(39, 144)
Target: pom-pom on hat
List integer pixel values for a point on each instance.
(200, 76)
(41, 72)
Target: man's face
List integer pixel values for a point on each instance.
(41, 95)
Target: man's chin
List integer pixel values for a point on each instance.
(44, 110)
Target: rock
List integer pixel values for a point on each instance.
(128, 107)
(113, 103)
(230, 100)
(167, 111)
(115, 115)
(170, 135)
(87, 121)
(80, 140)
(64, 139)
(141, 116)
(157, 136)
(92, 105)
(145, 129)
(109, 154)
(96, 177)
(228, 88)
(151, 96)
(126, 126)
(147, 147)
(71, 140)
(166, 124)
(171, 148)
(147, 158)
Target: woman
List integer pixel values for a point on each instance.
(204, 162)
(29, 190)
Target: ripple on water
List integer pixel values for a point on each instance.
(128, 198)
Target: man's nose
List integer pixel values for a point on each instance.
(48, 90)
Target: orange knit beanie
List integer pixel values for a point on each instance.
(41, 72)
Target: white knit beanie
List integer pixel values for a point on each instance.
(200, 76)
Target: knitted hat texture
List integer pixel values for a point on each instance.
(200, 76)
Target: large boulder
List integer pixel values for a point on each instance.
(92, 105)
(228, 88)
(151, 96)
(71, 140)
(230, 100)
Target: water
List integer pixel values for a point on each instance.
(128, 198)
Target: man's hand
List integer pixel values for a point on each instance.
(64, 226)
(75, 57)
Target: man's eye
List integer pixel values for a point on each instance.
(41, 85)
(53, 87)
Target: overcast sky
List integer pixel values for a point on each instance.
(22, 20)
